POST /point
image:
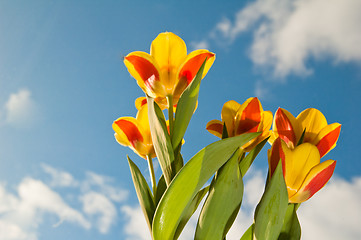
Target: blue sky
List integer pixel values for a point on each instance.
(63, 82)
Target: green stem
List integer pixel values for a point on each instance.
(170, 114)
(152, 175)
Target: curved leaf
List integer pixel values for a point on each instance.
(247, 161)
(144, 194)
(161, 140)
(161, 187)
(271, 210)
(185, 108)
(190, 210)
(223, 202)
(291, 229)
(189, 181)
(248, 235)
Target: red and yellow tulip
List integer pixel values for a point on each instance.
(243, 118)
(135, 133)
(304, 174)
(317, 132)
(167, 70)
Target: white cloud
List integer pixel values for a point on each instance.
(103, 184)
(200, 45)
(59, 178)
(333, 213)
(261, 91)
(10, 231)
(23, 214)
(20, 109)
(288, 33)
(136, 227)
(97, 204)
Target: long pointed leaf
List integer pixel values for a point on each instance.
(161, 140)
(272, 208)
(186, 106)
(144, 194)
(291, 229)
(161, 187)
(190, 210)
(189, 181)
(223, 202)
(246, 162)
(248, 235)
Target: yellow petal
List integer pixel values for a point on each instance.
(267, 119)
(298, 163)
(315, 180)
(313, 121)
(127, 131)
(229, 112)
(215, 127)
(146, 71)
(168, 49)
(193, 62)
(189, 68)
(142, 117)
(286, 126)
(139, 102)
(327, 138)
(249, 116)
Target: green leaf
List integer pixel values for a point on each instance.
(161, 140)
(223, 201)
(248, 235)
(291, 229)
(190, 210)
(186, 106)
(178, 161)
(161, 187)
(246, 162)
(272, 208)
(189, 181)
(224, 131)
(144, 194)
(300, 141)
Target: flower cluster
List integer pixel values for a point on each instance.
(170, 79)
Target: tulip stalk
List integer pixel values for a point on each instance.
(152, 175)
(170, 113)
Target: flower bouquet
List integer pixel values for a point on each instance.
(170, 79)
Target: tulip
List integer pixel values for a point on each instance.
(135, 133)
(303, 173)
(167, 70)
(314, 125)
(243, 118)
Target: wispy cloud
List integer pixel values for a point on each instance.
(99, 205)
(104, 185)
(23, 212)
(261, 91)
(136, 227)
(59, 178)
(20, 110)
(287, 33)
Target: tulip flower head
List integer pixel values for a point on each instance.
(304, 174)
(243, 118)
(312, 122)
(168, 69)
(135, 133)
